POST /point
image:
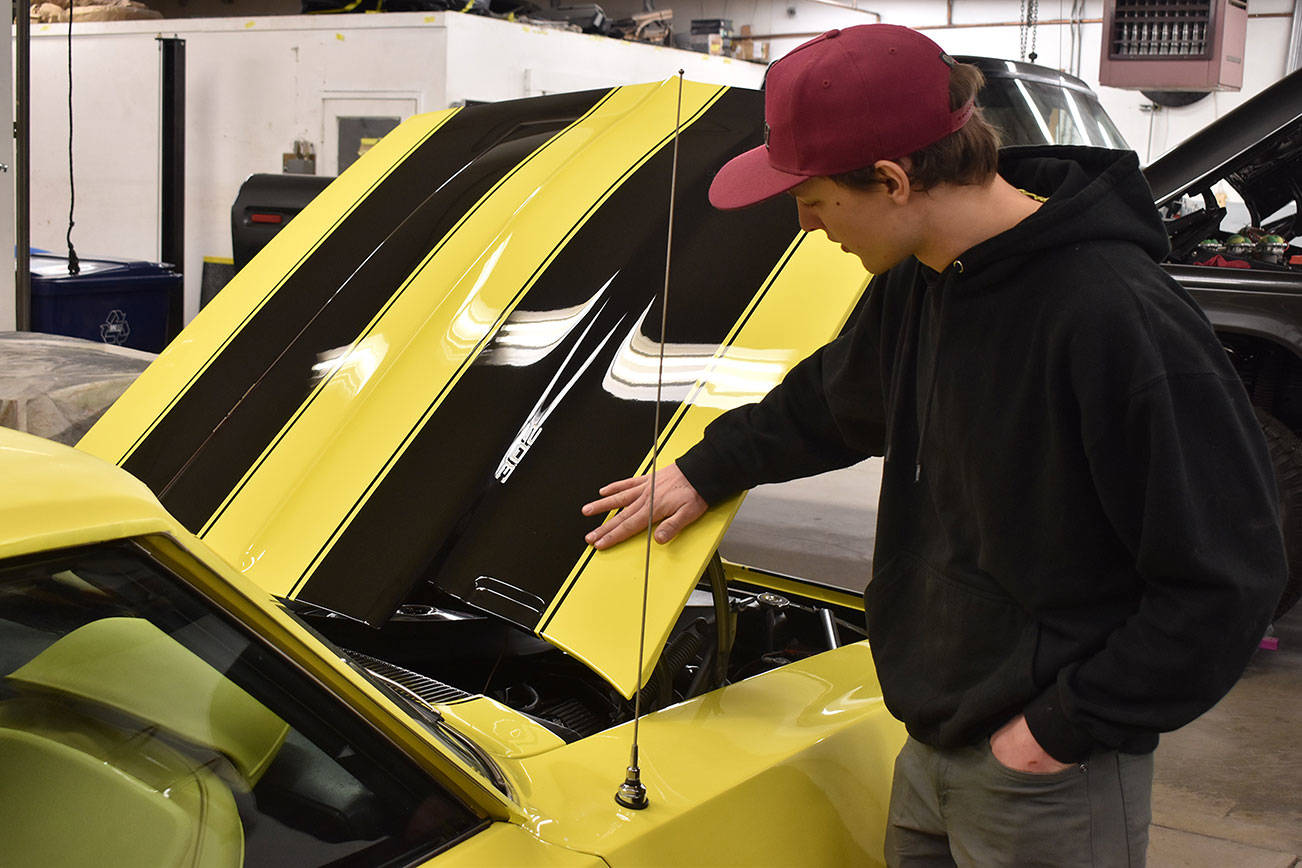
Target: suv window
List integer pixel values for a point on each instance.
(1032, 113)
(139, 726)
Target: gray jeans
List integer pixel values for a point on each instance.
(964, 807)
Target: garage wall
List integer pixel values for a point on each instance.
(254, 86)
(116, 138)
(489, 59)
(1268, 34)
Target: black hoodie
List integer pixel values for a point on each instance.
(1077, 517)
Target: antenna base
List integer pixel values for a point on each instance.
(631, 793)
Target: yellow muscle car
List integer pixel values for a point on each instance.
(314, 591)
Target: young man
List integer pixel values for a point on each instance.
(1077, 543)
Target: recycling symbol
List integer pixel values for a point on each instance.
(115, 329)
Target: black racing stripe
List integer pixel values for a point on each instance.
(473, 354)
(147, 430)
(645, 467)
(440, 514)
(198, 453)
(467, 361)
(746, 317)
(506, 153)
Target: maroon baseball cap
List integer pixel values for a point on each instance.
(840, 102)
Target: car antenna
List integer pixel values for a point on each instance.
(632, 793)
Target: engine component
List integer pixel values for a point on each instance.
(1207, 248)
(1272, 248)
(829, 628)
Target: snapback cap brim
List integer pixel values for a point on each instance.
(748, 179)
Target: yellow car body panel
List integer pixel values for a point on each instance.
(791, 767)
(501, 731)
(57, 498)
(502, 845)
(104, 661)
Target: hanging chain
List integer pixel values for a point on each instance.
(1028, 14)
(1032, 20)
(1021, 29)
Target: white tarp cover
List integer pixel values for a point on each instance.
(57, 387)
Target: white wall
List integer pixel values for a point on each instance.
(256, 85)
(115, 144)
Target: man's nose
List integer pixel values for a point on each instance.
(809, 222)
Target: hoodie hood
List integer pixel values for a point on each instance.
(1093, 194)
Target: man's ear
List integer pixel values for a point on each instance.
(895, 178)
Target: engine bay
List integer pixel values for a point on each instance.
(468, 652)
(1199, 237)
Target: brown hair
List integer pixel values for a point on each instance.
(968, 156)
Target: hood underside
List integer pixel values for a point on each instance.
(1256, 148)
(429, 370)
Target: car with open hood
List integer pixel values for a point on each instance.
(314, 590)
(1230, 197)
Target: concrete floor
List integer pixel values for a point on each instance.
(1227, 788)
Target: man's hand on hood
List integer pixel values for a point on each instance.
(676, 505)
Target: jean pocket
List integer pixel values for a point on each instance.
(1075, 771)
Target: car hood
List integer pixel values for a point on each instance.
(423, 377)
(1257, 149)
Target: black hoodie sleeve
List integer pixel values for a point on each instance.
(825, 414)
(1182, 472)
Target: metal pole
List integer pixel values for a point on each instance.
(172, 211)
(22, 169)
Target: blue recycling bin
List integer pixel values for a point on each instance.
(114, 301)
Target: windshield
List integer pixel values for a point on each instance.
(1032, 113)
(127, 702)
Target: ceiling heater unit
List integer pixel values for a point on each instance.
(1174, 44)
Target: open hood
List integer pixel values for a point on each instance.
(1256, 149)
(430, 369)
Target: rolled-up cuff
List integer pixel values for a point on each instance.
(696, 464)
